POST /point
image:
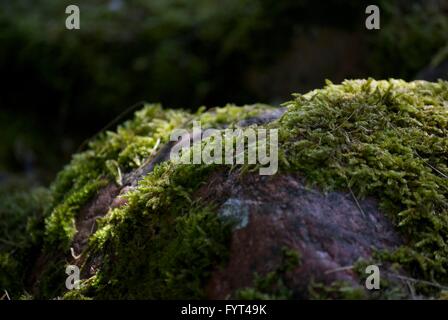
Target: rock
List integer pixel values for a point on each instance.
(362, 172)
(329, 231)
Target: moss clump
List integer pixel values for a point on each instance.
(273, 286)
(166, 242)
(386, 139)
(382, 138)
(108, 155)
(339, 290)
(114, 153)
(161, 245)
(21, 223)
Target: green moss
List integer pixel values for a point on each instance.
(171, 261)
(274, 285)
(107, 157)
(382, 138)
(167, 244)
(10, 278)
(114, 153)
(386, 139)
(60, 226)
(21, 220)
(338, 290)
(230, 114)
(160, 245)
(390, 288)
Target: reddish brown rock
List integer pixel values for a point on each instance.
(330, 231)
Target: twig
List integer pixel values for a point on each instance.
(339, 269)
(76, 257)
(6, 295)
(432, 167)
(356, 200)
(411, 289)
(421, 158)
(154, 149)
(404, 278)
(111, 123)
(7, 242)
(92, 228)
(342, 123)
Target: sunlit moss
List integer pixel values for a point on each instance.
(272, 286)
(386, 139)
(107, 157)
(160, 222)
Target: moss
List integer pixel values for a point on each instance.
(60, 226)
(274, 285)
(114, 153)
(338, 290)
(161, 231)
(108, 155)
(230, 114)
(171, 261)
(75, 295)
(21, 209)
(9, 275)
(390, 288)
(382, 138)
(21, 221)
(386, 139)
(175, 240)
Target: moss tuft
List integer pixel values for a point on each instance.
(387, 139)
(108, 155)
(21, 223)
(161, 244)
(273, 286)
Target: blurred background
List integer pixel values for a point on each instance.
(61, 86)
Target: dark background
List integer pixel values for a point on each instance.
(61, 86)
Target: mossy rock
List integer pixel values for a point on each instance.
(362, 179)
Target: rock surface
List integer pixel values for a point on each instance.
(330, 231)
